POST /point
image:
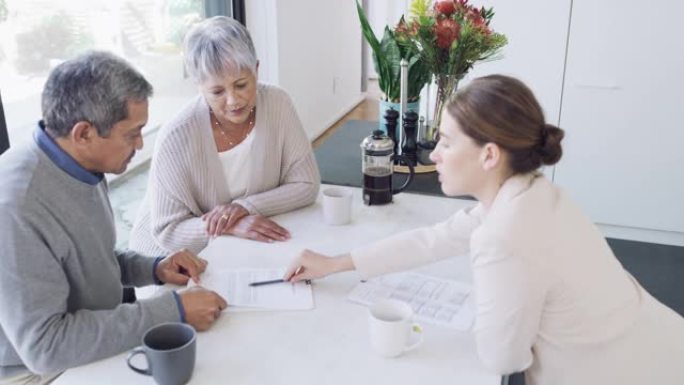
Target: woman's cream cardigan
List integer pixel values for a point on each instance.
(551, 298)
(186, 178)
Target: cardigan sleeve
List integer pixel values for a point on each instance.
(418, 247)
(175, 221)
(509, 293)
(299, 178)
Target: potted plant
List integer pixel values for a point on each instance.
(451, 36)
(387, 56)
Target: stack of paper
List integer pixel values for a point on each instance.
(434, 300)
(233, 285)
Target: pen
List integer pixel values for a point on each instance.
(267, 282)
(260, 283)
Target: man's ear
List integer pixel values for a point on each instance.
(82, 133)
(491, 156)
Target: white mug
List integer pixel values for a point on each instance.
(337, 204)
(391, 328)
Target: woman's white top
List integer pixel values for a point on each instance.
(236, 165)
(551, 298)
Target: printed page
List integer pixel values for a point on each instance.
(233, 285)
(434, 300)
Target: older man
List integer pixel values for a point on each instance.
(61, 280)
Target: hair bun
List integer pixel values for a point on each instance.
(550, 150)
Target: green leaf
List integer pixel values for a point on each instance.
(393, 55)
(366, 29)
(379, 59)
(418, 76)
(388, 52)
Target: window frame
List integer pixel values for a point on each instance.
(232, 8)
(4, 135)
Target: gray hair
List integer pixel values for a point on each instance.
(217, 46)
(94, 87)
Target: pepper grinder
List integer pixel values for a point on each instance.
(410, 128)
(391, 118)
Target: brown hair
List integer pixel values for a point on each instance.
(502, 110)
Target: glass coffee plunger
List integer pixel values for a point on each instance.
(377, 160)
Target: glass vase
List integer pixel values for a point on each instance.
(446, 86)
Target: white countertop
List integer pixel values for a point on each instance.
(327, 345)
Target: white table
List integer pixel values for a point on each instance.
(328, 345)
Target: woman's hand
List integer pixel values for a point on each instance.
(311, 265)
(223, 217)
(258, 228)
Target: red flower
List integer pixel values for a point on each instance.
(446, 30)
(445, 7)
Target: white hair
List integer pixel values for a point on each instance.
(217, 46)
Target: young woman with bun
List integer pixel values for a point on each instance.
(551, 298)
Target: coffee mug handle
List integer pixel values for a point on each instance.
(418, 330)
(134, 352)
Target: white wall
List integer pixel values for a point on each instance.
(313, 50)
(262, 24)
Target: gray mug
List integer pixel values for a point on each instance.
(170, 352)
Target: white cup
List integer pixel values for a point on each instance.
(391, 328)
(337, 204)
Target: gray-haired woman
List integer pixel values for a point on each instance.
(236, 154)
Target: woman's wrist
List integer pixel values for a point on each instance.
(342, 263)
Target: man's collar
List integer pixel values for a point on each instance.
(62, 159)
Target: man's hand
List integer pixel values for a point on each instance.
(223, 217)
(179, 267)
(258, 228)
(202, 307)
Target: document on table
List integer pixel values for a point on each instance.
(434, 300)
(233, 285)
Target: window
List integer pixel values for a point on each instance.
(36, 35)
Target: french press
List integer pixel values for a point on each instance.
(377, 154)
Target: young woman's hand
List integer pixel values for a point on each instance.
(311, 265)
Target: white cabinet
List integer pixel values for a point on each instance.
(622, 108)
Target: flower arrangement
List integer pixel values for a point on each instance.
(451, 36)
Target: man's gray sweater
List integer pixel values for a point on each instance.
(61, 280)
